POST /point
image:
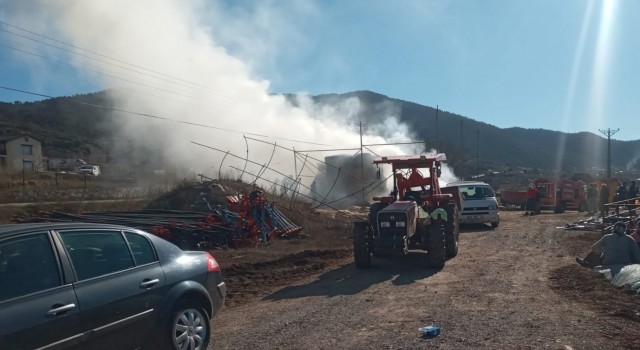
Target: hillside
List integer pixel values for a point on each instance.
(64, 125)
(464, 139)
(68, 125)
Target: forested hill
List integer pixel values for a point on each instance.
(465, 139)
(65, 125)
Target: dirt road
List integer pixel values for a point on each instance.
(516, 287)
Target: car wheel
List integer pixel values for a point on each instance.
(189, 327)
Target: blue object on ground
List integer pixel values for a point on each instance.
(430, 331)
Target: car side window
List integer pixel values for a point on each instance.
(97, 253)
(27, 265)
(141, 248)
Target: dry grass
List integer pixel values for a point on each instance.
(8, 212)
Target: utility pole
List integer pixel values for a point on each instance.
(362, 165)
(477, 149)
(461, 145)
(608, 133)
(437, 141)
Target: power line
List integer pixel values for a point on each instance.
(138, 69)
(221, 103)
(164, 118)
(88, 51)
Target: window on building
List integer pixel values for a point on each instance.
(3, 148)
(27, 150)
(3, 162)
(28, 165)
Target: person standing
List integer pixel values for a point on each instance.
(636, 232)
(533, 197)
(604, 198)
(621, 193)
(632, 192)
(592, 193)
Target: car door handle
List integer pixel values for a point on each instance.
(56, 310)
(147, 283)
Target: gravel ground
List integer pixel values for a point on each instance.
(516, 287)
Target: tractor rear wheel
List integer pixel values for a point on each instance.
(451, 231)
(436, 236)
(361, 251)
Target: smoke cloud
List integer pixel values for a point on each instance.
(167, 59)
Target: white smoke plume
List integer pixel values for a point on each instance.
(161, 58)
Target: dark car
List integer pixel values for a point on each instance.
(95, 286)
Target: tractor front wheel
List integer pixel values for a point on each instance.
(361, 251)
(451, 231)
(437, 252)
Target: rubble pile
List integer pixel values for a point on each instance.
(247, 219)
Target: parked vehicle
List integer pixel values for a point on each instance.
(513, 198)
(477, 200)
(88, 169)
(417, 215)
(560, 195)
(97, 286)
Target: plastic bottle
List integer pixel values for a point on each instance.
(430, 331)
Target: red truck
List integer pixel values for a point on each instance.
(555, 194)
(513, 198)
(562, 194)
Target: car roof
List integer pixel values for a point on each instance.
(10, 229)
(466, 183)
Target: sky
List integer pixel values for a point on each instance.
(568, 65)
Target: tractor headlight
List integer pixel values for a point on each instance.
(385, 224)
(493, 207)
(401, 224)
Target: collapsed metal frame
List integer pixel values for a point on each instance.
(304, 157)
(631, 205)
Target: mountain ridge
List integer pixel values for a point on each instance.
(471, 145)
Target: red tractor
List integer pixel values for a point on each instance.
(417, 215)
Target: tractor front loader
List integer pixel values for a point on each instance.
(416, 215)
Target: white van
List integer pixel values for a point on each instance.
(88, 169)
(478, 202)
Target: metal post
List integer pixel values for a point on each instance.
(477, 149)
(461, 145)
(295, 176)
(24, 185)
(362, 165)
(437, 140)
(608, 133)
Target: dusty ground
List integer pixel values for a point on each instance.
(516, 287)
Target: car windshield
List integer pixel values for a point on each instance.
(476, 192)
